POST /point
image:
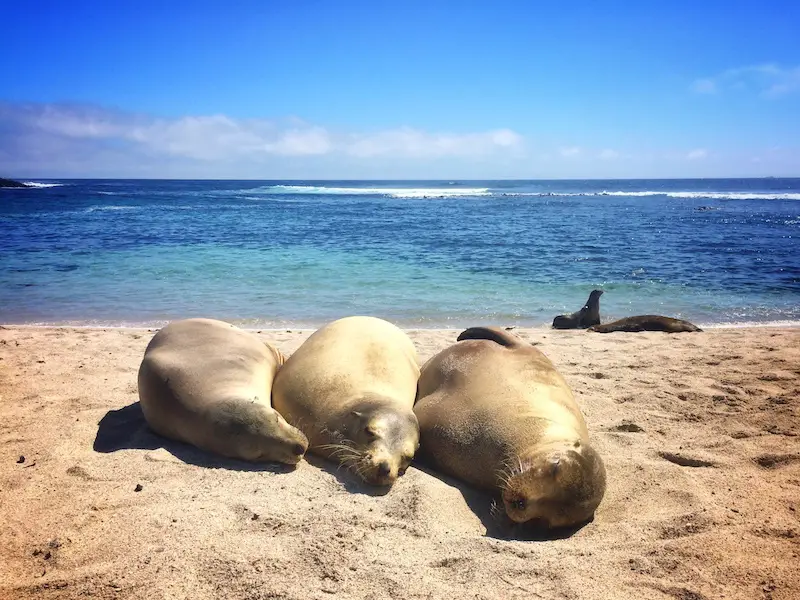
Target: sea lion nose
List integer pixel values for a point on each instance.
(384, 469)
(299, 449)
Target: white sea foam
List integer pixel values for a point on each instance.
(687, 195)
(36, 184)
(111, 207)
(749, 324)
(378, 191)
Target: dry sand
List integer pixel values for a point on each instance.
(699, 433)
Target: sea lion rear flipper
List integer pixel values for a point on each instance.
(493, 334)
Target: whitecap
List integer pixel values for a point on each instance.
(111, 207)
(377, 191)
(749, 324)
(36, 184)
(736, 195)
(685, 195)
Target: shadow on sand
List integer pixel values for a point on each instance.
(126, 428)
(349, 480)
(490, 511)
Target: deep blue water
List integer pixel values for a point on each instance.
(428, 254)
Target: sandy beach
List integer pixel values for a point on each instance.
(699, 433)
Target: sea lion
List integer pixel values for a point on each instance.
(350, 388)
(207, 383)
(494, 412)
(586, 317)
(646, 323)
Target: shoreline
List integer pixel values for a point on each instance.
(306, 328)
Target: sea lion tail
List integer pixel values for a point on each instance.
(493, 334)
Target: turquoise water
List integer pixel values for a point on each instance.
(422, 254)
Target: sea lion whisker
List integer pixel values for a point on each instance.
(497, 512)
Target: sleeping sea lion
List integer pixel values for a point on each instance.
(350, 388)
(494, 412)
(207, 383)
(646, 323)
(586, 317)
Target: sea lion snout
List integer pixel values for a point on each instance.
(287, 441)
(381, 471)
(556, 489)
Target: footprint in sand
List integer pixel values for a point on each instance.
(773, 461)
(685, 461)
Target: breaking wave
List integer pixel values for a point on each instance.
(688, 195)
(36, 184)
(378, 191)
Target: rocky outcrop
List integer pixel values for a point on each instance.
(10, 183)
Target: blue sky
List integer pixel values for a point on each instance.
(312, 89)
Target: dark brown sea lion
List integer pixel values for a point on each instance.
(207, 383)
(350, 388)
(586, 317)
(494, 412)
(646, 323)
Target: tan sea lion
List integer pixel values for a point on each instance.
(207, 383)
(494, 412)
(586, 317)
(647, 323)
(350, 388)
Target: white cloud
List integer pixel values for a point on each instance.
(697, 154)
(219, 137)
(770, 80)
(64, 140)
(570, 151)
(408, 142)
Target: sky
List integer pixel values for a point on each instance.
(307, 89)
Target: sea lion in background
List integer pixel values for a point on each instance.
(350, 388)
(207, 383)
(494, 412)
(646, 323)
(586, 317)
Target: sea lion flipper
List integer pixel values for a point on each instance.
(493, 334)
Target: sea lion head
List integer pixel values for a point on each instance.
(594, 296)
(556, 486)
(381, 441)
(259, 433)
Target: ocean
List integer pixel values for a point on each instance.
(281, 254)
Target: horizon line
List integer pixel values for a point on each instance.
(454, 180)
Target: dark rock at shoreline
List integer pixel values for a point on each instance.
(10, 183)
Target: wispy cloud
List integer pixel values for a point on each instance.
(78, 140)
(220, 138)
(769, 80)
(697, 154)
(608, 154)
(408, 142)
